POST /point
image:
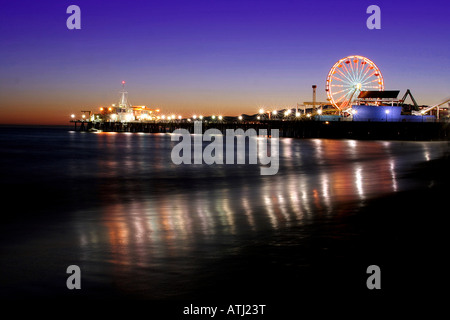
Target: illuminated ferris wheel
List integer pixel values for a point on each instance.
(348, 77)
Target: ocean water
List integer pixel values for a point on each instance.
(139, 226)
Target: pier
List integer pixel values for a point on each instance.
(374, 115)
(420, 131)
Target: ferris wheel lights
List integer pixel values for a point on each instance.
(348, 77)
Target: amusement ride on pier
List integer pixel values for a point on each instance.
(349, 77)
(357, 80)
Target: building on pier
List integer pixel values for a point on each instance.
(124, 111)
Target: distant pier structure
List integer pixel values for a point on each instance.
(312, 128)
(372, 115)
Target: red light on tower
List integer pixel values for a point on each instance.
(123, 82)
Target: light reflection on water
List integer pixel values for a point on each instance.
(159, 220)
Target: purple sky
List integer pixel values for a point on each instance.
(222, 57)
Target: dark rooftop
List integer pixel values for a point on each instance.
(388, 94)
